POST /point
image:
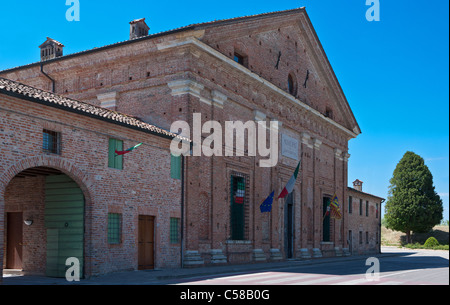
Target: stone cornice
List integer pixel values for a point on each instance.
(306, 139)
(194, 88)
(346, 156)
(317, 143)
(338, 154)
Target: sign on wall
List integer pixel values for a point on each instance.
(289, 147)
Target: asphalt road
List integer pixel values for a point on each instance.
(409, 267)
(396, 267)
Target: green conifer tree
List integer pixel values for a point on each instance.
(413, 204)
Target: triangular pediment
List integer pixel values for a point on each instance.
(283, 48)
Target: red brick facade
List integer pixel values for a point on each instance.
(284, 75)
(143, 187)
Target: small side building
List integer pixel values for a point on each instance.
(364, 220)
(64, 192)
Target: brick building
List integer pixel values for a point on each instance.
(268, 67)
(364, 220)
(63, 192)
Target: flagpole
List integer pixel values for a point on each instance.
(323, 219)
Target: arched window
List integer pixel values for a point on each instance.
(328, 113)
(292, 84)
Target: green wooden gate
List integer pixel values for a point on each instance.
(64, 221)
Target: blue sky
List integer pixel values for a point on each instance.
(394, 72)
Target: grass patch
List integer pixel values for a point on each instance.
(395, 238)
(419, 246)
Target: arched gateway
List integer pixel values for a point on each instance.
(43, 203)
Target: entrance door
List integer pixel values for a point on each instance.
(146, 246)
(289, 226)
(326, 219)
(14, 241)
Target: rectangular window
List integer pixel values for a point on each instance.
(114, 160)
(51, 141)
(367, 208)
(239, 199)
(114, 228)
(350, 204)
(367, 237)
(360, 207)
(360, 238)
(175, 167)
(174, 230)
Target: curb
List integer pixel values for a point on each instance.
(230, 269)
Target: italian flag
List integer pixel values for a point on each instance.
(240, 193)
(121, 153)
(291, 183)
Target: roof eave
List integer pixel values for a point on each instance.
(77, 111)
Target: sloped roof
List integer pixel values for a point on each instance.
(46, 98)
(137, 20)
(200, 26)
(364, 193)
(52, 40)
(195, 26)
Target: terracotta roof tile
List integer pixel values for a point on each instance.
(51, 39)
(163, 33)
(54, 100)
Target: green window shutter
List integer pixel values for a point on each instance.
(175, 167)
(114, 228)
(111, 147)
(113, 160)
(119, 159)
(174, 230)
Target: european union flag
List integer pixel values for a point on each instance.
(266, 206)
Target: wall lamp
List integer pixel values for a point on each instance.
(28, 222)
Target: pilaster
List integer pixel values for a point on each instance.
(317, 217)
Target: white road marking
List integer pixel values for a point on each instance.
(289, 279)
(248, 279)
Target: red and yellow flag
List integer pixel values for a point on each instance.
(335, 210)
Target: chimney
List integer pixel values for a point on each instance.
(357, 185)
(51, 49)
(138, 28)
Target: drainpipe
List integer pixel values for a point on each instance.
(182, 209)
(379, 226)
(46, 75)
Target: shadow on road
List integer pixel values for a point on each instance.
(393, 262)
(389, 262)
(396, 260)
